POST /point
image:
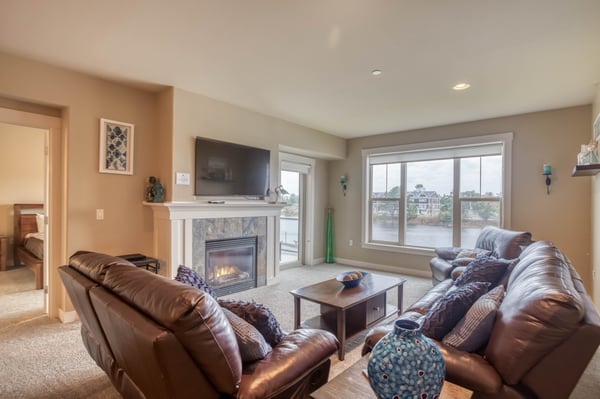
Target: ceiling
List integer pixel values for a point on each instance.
(310, 61)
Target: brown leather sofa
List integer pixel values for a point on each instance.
(502, 243)
(545, 332)
(158, 338)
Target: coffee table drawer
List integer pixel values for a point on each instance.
(375, 308)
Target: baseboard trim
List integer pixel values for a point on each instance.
(384, 268)
(67, 317)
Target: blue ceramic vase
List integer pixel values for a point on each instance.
(406, 364)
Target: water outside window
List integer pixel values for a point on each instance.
(290, 218)
(425, 217)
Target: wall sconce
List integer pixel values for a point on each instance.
(343, 182)
(548, 172)
(279, 190)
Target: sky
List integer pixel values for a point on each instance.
(438, 175)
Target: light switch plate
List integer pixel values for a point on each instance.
(182, 178)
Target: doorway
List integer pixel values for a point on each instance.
(53, 253)
(296, 177)
(23, 163)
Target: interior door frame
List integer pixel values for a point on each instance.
(55, 246)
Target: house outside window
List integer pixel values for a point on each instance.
(436, 194)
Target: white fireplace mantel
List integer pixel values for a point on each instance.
(173, 229)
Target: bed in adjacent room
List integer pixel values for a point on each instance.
(29, 230)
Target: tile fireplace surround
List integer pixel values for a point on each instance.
(182, 228)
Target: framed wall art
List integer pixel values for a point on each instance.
(116, 147)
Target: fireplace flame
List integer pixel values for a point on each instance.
(228, 273)
(225, 270)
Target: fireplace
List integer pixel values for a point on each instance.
(231, 264)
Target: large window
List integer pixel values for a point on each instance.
(435, 194)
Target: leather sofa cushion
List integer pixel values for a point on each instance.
(193, 316)
(505, 244)
(541, 309)
(94, 265)
(425, 303)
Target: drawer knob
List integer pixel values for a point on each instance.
(377, 308)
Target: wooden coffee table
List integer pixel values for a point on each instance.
(352, 383)
(348, 311)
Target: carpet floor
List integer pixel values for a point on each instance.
(43, 358)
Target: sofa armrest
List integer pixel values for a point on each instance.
(470, 370)
(289, 362)
(447, 253)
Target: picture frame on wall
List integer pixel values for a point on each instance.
(116, 147)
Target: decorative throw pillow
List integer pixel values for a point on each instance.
(473, 330)
(483, 268)
(252, 344)
(190, 277)
(449, 309)
(466, 256)
(257, 315)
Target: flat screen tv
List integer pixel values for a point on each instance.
(228, 169)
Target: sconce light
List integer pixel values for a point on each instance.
(279, 190)
(548, 173)
(343, 182)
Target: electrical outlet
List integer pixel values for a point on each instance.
(99, 214)
(350, 243)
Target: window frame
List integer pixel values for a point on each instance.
(503, 139)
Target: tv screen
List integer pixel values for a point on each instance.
(227, 169)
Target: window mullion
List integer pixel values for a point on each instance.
(456, 205)
(402, 205)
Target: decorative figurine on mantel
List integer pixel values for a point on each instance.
(155, 191)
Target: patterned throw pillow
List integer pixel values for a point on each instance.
(190, 277)
(473, 330)
(252, 344)
(257, 315)
(448, 310)
(483, 268)
(466, 256)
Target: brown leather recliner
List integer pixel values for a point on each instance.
(544, 335)
(502, 243)
(158, 338)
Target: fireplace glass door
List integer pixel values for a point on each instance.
(231, 265)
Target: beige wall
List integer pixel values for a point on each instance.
(550, 137)
(21, 173)
(196, 115)
(87, 100)
(596, 214)
(84, 100)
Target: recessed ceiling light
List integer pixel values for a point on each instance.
(376, 72)
(461, 86)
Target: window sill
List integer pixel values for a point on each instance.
(400, 249)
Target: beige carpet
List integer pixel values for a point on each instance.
(42, 358)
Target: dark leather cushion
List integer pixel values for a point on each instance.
(505, 244)
(191, 277)
(483, 268)
(257, 315)
(446, 312)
